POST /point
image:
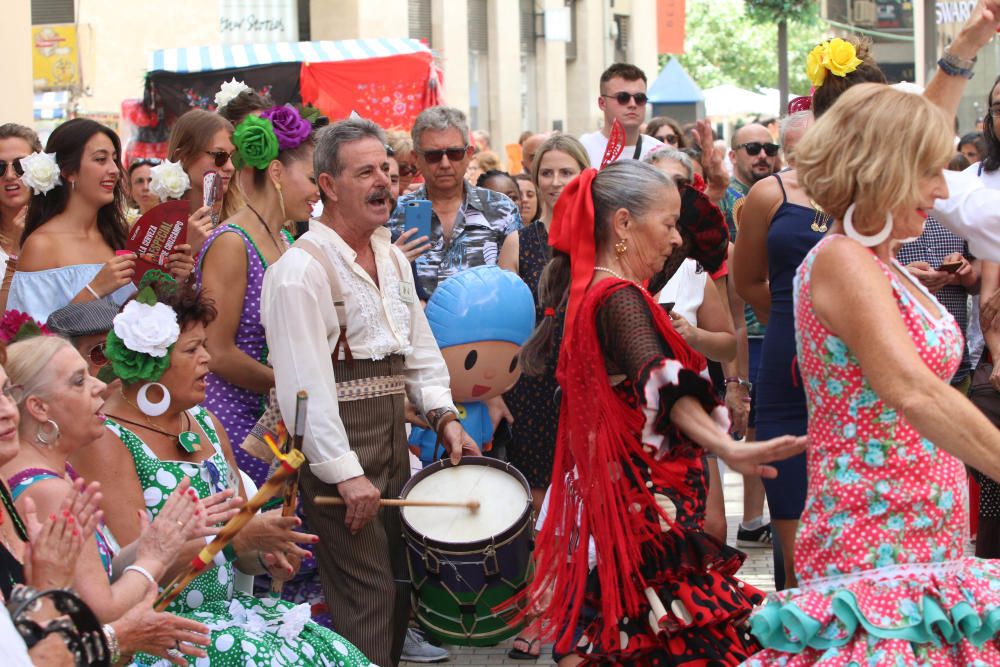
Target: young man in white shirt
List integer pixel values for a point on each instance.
(623, 98)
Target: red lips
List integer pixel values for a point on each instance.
(479, 390)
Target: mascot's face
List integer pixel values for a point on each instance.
(482, 370)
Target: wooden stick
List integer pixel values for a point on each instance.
(471, 505)
(204, 558)
(292, 486)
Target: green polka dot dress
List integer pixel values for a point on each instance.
(246, 631)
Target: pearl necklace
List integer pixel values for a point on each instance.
(620, 277)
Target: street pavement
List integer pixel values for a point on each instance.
(758, 571)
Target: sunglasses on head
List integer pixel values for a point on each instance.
(221, 157)
(623, 98)
(668, 139)
(434, 156)
(144, 162)
(15, 165)
(97, 356)
(754, 147)
(408, 169)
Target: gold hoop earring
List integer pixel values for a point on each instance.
(621, 247)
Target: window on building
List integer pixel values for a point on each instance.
(479, 73)
(305, 24)
(420, 20)
(52, 11)
(622, 40)
(571, 44)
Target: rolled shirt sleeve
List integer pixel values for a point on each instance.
(971, 211)
(297, 312)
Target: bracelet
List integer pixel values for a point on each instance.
(952, 65)
(740, 382)
(113, 647)
(445, 419)
(91, 290)
(138, 569)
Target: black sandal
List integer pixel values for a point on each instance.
(517, 654)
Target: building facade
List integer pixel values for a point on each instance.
(499, 64)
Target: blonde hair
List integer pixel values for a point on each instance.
(29, 364)
(564, 144)
(488, 161)
(400, 142)
(871, 149)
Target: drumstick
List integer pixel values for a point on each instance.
(471, 505)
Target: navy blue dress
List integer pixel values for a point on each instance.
(781, 399)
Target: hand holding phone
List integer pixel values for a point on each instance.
(418, 216)
(951, 267)
(212, 195)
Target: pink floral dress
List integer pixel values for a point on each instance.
(879, 552)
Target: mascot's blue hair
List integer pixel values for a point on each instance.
(480, 304)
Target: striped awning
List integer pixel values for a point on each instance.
(51, 105)
(225, 56)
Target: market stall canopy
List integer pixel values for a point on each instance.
(674, 86)
(728, 100)
(674, 93)
(387, 80)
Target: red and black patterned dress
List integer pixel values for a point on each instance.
(662, 591)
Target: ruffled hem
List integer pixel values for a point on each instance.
(954, 604)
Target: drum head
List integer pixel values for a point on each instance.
(503, 499)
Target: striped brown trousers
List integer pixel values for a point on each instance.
(364, 576)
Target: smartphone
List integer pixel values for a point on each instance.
(418, 216)
(951, 267)
(212, 195)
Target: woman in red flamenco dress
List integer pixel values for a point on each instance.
(637, 417)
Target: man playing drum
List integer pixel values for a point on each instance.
(344, 324)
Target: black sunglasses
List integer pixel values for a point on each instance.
(668, 139)
(221, 157)
(409, 169)
(623, 98)
(753, 148)
(15, 164)
(434, 156)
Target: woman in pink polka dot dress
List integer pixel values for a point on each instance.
(879, 555)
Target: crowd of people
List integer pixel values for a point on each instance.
(786, 309)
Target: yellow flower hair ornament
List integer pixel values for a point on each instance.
(836, 56)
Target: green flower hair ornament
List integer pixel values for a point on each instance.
(256, 143)
(143, 336)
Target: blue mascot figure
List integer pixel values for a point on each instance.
(480, 317)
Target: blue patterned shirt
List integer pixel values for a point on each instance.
(484, 221)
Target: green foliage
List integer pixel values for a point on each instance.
(724, 45)
(772, 11)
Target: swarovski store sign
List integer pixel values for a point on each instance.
(258, 21)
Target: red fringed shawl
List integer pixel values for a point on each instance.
(599, 433)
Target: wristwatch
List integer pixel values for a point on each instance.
(952, 65)
(740, 382)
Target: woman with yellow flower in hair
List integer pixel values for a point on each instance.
(779, 224)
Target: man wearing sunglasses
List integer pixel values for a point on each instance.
(623, 98)
(469, 225)
(753, 155)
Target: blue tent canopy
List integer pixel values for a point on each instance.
(674, 86)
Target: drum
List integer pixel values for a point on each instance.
(464, 564)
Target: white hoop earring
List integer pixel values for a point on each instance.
(47, 439)
(149, 408)
(863, 239)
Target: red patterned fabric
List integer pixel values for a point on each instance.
(616, 144)
(391, 91)
(596, 430)
(572, 232)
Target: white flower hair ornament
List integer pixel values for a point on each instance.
(138, 346)
(228, 92)
(41, 172)
(168, 180)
